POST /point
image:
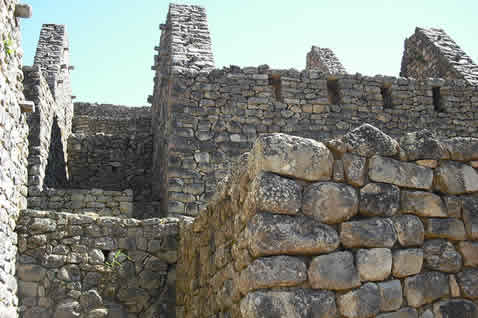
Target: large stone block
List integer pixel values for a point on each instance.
(275, 271)
(275, 194)
(424, 204)
(391, 296)
(330, 202)
(379, 199)
(374, 264)
(455, 308)
(355, 169)
(441, 255)
(402, 174)
(368, 233)
(468, 282)
(30, 272)
(291, 156)
(335, 271)
(425, 288)
(273, 234)
(449, 228)
(470, 216)
(363, 302)
(292, 304)
(469, 250)
(410, 230)
(406, 312)
(407, 262)
(423, 145)
(367, 141)
(462, 148)
(455, 178)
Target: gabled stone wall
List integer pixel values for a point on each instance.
(360, 226)
(433, 53)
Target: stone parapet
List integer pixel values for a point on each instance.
(359, 226)
(82, 201)
(71, 265)
(325, 60)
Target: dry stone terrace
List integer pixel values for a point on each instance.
(242, 191)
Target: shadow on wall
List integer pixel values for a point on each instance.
(55, 174)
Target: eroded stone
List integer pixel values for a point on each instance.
(368, 233)
(379, 199)
(455, 178)
(335, 271)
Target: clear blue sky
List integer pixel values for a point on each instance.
(111, 41)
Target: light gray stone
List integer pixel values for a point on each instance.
(275, 271)
(441, 255)
(355, 169)
(424, 204)
(360, 303)
(291, 156)
(379, 199)
(410, 230)
(407, 262)
(330, 202)
(374, 264)
(273, 234)
(449, 228)
(425, 288)
(275, 194)
(391, 297)
(334, 271)
(402, 174)
(455, 178)
(367, 141)
(368, 233)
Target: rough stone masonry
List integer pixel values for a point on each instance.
(321, 217)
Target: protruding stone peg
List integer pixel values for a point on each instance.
(27, 106)
(23, 11)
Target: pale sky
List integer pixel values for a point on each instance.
(112, 41)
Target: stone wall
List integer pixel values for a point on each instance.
(432, 53)
(215, 117)
(185, 47)
(114, 162)
(361, 226)
(91, 119)
(79, 201)
(13, 151)
(83, 266)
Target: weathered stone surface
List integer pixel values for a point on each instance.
(449, 228)
(455, 178)
(402, 174)
(424, 204)
(335, 271)
(367, 141)
(275, 271)
(291, 156)
(379, 199)
(407, 262)
(410, 230)
(67, 309)
(468, 281)
(470, 216)
(296, 304)
(98, 313)
(330, 202)
(391, 297)
(368, 233)
(30, 272)
(455, 308)
(441, 255)
(469, 250)
(374, 264)
(423, 145)
(269, 234)
(406, 312)
(454, 206)
(355, 169)
(462, 148)
(425, 288)
(360, 303)
(275, 194)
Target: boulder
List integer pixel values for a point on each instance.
(441, 255)
(274, 234)
(449, 228)
(368, 233)
(391, 296)
(424, 204)
(374, 264)
(455, 178)
(360, 303)
(407, 262)
(379, 199)
(410, 230)
(423, 145)
(455, 308)
(335, 271)
(330, 202)
(355, 169)
(291, 156)
(425, 288)
(402, 174)
(367, 141)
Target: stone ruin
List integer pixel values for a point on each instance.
(241, 192)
